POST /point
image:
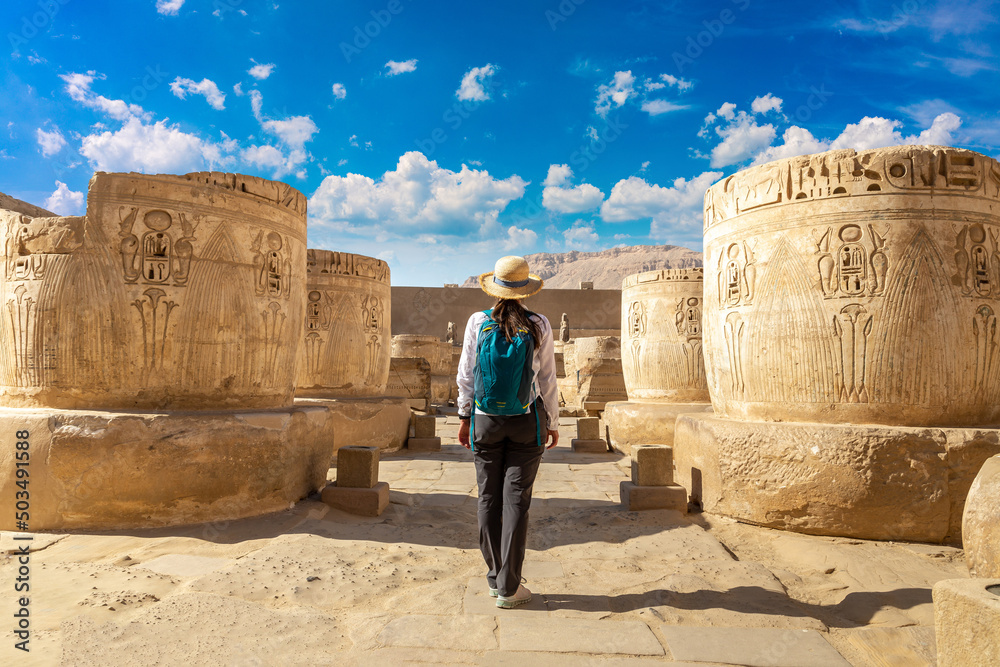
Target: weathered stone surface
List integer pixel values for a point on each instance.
(820, 478)
(967, 622)
(363, 502)
(124, 470)
(462, 633)
(661, 336)
(410, 377)
(589, 446)
(424, 444)
(368, 422)
(577, 635)
(424, 426)
(346, 346)
(631, 423)
(981, 522)
(652, 465)
(754, 647)
(588, 428)
(856, 287)
(436, 351)
(662, 497)
(9, 203)
(174, 292)
(357, 467)
(598, 362)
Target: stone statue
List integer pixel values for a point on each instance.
(564, 328)
(450, 336)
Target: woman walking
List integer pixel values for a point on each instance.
(507, 435)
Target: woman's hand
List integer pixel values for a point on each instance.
(553, 436)
(463, 434)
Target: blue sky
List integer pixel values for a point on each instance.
(442, 135)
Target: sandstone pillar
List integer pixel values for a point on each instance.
(662, 360)
(850, 342)
(438, 354)
(149, 352)
(345, 353)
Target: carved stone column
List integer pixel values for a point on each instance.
(850, 300)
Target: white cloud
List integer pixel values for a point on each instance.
(940, 131)
(78, 88)
(50, 142)
(657, 107)
(238, 89)
(742, 137)
(64, 201)
(869, 132)
(797, 141)
(559, 196)
(294, 131)
(272, 159)
(766, 103)
(342, 162)
(215, 98)
(153, 148)
(616, 93)
(471, 87)
(256, 103)
(339, 91)
(581, 236)
(681, 84)
(396, 67)
(418, 197)
(519, 238)
(261, 71)
(592, 133)
(634, 199)
(169, 7)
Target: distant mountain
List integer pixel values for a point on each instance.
(9, 203)
(606, 268)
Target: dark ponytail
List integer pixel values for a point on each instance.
(511, 316)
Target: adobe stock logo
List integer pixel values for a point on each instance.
(696, 44)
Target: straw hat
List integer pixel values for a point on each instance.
(510, 279)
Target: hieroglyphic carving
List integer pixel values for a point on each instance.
(22, 325)
(21, 264)
(687, 319)
(274, 325)
(852, 326)
(372, 347)
(978, 267)
(158, 256)
(371, 314)
(734, 346)
(637, 319)
(346, 264)
(737, 275)
(272, 265)
(155, 326)
(984, 329)
(849, 264)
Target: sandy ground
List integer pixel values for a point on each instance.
(315, 586)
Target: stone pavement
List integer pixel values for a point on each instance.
(316, 586)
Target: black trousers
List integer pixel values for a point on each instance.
(507, 456)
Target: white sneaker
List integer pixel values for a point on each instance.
(522, 596)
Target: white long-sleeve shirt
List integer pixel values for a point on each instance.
(543, 365)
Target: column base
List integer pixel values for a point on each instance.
(380, 421)
(967, 622)
(864, 481)
(635, 498)
(363, 502)
(589, 446)
(631, 423)
(424, 444)
(118, 470)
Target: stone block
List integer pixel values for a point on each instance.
(834, 477)
(631, 423)
(363, 502)
(424, 426)
(589, 446)
(752, 647)
(382, 422)
(424, 444)
(981, 522)
(357, 467)
(652, 465)
(967, 622)
(588, 428)
(410, 377)
(635, 498)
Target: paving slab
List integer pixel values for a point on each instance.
(578, 635)
(456, 633)
(478, 601)
(752, 647)
(532, 658)
(894, 647)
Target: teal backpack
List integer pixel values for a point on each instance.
(503, 373)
